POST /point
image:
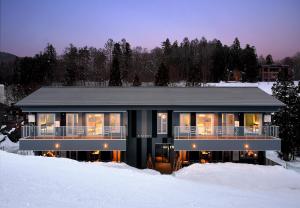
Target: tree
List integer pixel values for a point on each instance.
(136, 80)
(287, 117)
(162, 76)
(218, 62)
(50, 62)
(269, 59)
(235, 56)
(115, 73)
(71, 66)
(250, 63)
(126, 59)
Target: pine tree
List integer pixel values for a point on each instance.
(115, 73)
(136, 80)
(269, 59)
(286, 117)
(250, 63)
(162, 76)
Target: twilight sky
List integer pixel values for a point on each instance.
(26, 26)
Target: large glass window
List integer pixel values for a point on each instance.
(46, 123)
(205, 124)
(185, 122)
(162, 123)
(115, 122)
(228, 124)
(72, 122)
(253, 123)
(95, 123)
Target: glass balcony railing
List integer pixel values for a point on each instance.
(74, 132)
(225, 132)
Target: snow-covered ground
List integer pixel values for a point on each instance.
(31, 181)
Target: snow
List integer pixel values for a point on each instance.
(7, 145)
(293, 164)
(265, 86)
(32, 181)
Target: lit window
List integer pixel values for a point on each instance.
(253, 123)
(185, 122)
(72, 122)
(95, 123)
(115, 122)
(46, 123)
(205, 124)
(162, 123)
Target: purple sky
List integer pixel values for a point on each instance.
(273, 26)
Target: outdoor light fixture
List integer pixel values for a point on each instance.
(194, 146)
(246, 146)
(57, 146)
(105, 146)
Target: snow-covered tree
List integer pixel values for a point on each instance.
(287, 117)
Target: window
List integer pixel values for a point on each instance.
(72, 123)
(46, 123)
(228, 124)
(205, 124)
(95, 123)
(115, 122)
(162, 123)
(185, 122)
(253, 123)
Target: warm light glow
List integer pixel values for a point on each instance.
(194, 146)
(105, 146)
(246, 146)
(97, 152)
(57, 146)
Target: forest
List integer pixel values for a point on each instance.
(118, 64)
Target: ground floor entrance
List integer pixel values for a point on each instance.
(164, 154)
(189, 157)
(91, 156)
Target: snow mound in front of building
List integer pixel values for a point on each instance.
(36, 181)
(242, 176)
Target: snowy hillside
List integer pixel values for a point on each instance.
(31, 181)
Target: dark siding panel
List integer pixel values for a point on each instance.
(154, 123)
(133, 123)
(170, 127)
(193, 119)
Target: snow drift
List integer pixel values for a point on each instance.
(31, 181)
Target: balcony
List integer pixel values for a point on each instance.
(73, 138)
(226, 138)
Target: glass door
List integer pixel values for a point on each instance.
(95, 123)
(228, 124)
(72, 122)
(205, 124)
(46, 124)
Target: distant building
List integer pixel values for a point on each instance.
(2, 94)
(270, 72)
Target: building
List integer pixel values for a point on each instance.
(269, 73)
(159, 127)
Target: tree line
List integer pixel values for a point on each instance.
(118, 64)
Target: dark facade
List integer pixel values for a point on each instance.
(161, 128)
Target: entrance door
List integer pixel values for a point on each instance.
(162, 153)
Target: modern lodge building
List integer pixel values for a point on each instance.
(156, 127)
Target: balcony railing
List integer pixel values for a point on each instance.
(74, 132)
(225, 132)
